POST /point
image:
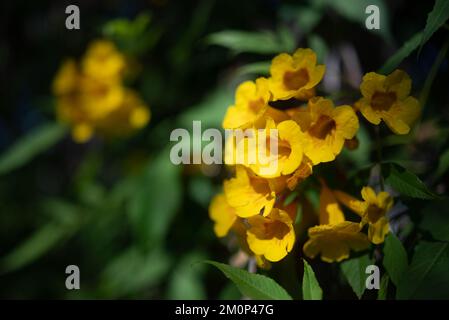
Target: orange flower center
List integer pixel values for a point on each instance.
(293, 80)
(374, 213)
(382, 101)
(324, 126)
(256, 105)
(275, 229)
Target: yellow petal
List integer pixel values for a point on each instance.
(222, 214)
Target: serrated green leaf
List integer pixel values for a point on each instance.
(311, 289)
(35, 142)
(427, 275)
(395, 258)
(354, 271)
(245, 41)
(406, 182)
(407, 48)
(436, 18)
(252, 285)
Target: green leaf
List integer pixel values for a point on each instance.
(210, 111)
(156, 200)
(65, 222)
(354, 10)
(406, 182)
(311, 289)
(436, 18)
(307, 18)
(395, 258)
(407, 48)
(435, 219)
(427, 276)
(35, 142)
(317, 44)
(383, 290)
(133, 271)
(443, 165)
(185, 281)
(263, 42)
(252, 285)
(354, 271)
(257, 68)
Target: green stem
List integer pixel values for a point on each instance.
(379, 157)
(432, 74)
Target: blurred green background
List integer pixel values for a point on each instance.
(134, 224)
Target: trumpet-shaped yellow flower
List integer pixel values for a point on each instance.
(288, 156)
(222, 214)
(249, 194)
(334, 237)
(388, 98)
(373, 211)
(334, 241)
(251, 105)
(295, 76)
(272, 236)
(326, 128)
(270, 152)
(330, 212)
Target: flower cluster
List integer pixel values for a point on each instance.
(310, 131)
(91, 96)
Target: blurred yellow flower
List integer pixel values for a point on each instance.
(103, 61)
(91, 97)
(222, 214)
(326, 128)
(251, 105)
(295, 76)
(272, 236)
(388, 98)
(249, 194)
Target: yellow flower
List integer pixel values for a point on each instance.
(326, 128)
(222, 214)
(66, 78)
(388, 98)
(334, 241)
(330, 212)
(288, 156)
(251, 105)
(272, 236)
(334, 237)
(92, 98)
(103, 61)
(373, 211)
(249, 194)
(131, 115)
(295, 76)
